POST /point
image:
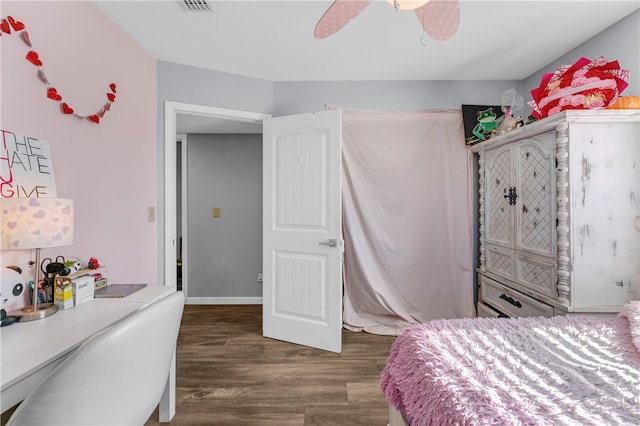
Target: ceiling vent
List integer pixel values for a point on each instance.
(196, 6)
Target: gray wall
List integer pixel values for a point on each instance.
(619, 42)
(192, 85)
(225, 253)
(301, 97)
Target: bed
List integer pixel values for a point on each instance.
(565, 370)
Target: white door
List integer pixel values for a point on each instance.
(302, 239)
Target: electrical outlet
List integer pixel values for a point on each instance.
(151, 214)
(259, 277)
(216, 212)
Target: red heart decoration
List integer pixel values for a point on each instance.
(66, 108)
(25, 38)
(34, 58)
(112, 86)
(111, 97)
(52, 93)
(17, 25)
(4, 26)
(94, 118)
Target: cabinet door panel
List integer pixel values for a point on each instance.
(500, 261)
(537, 274)
(535, 209)
(498, 211)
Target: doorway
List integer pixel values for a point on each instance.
(180, 120)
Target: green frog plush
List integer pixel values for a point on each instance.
(486, 123)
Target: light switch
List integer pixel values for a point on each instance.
(216, 212)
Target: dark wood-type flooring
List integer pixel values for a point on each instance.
(228, 374)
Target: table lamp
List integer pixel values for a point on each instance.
(36, 223)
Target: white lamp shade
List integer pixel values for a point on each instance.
(29, 223)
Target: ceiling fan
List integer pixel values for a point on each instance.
(439, 18)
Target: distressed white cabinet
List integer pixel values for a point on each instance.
(559, 215)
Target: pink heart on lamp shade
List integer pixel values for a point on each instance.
(65, 229)
(39, 214)
(37, 232)
(16, 243)
(55, 219)
(66, 210)
(57, 237)
(22, 208)
(12, 225)
(34, 202)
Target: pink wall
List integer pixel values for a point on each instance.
(108, 169)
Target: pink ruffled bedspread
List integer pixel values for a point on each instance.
(574, 370)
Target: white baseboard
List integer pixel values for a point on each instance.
(224, 300)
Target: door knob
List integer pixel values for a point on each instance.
(331, 243)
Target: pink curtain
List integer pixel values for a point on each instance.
(406, 218)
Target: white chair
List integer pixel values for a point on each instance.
(117, 377)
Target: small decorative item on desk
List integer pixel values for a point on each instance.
(100, 283)
(94, 263)
(64, 293)
(83, 289)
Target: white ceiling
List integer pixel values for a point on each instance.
(273, 40)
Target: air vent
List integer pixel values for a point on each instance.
(197, 6)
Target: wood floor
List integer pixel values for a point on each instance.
(228, 374)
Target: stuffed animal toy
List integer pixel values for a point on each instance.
(508, 124)
(11, 290)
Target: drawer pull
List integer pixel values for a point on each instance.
(510, 300)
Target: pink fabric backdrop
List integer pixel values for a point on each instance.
(406, 218)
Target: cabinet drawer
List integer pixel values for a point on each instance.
(485, 311)
(499, 260)
(511, 302)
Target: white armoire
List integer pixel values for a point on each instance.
(559, 213)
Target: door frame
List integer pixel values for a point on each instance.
(171, 111)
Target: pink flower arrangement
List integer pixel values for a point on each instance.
(584, 85)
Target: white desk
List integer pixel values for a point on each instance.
(31, 350)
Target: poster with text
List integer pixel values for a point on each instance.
(26, 167)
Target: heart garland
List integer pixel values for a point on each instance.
(6, 26)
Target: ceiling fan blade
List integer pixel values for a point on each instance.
(339, 14)
(439, 18)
